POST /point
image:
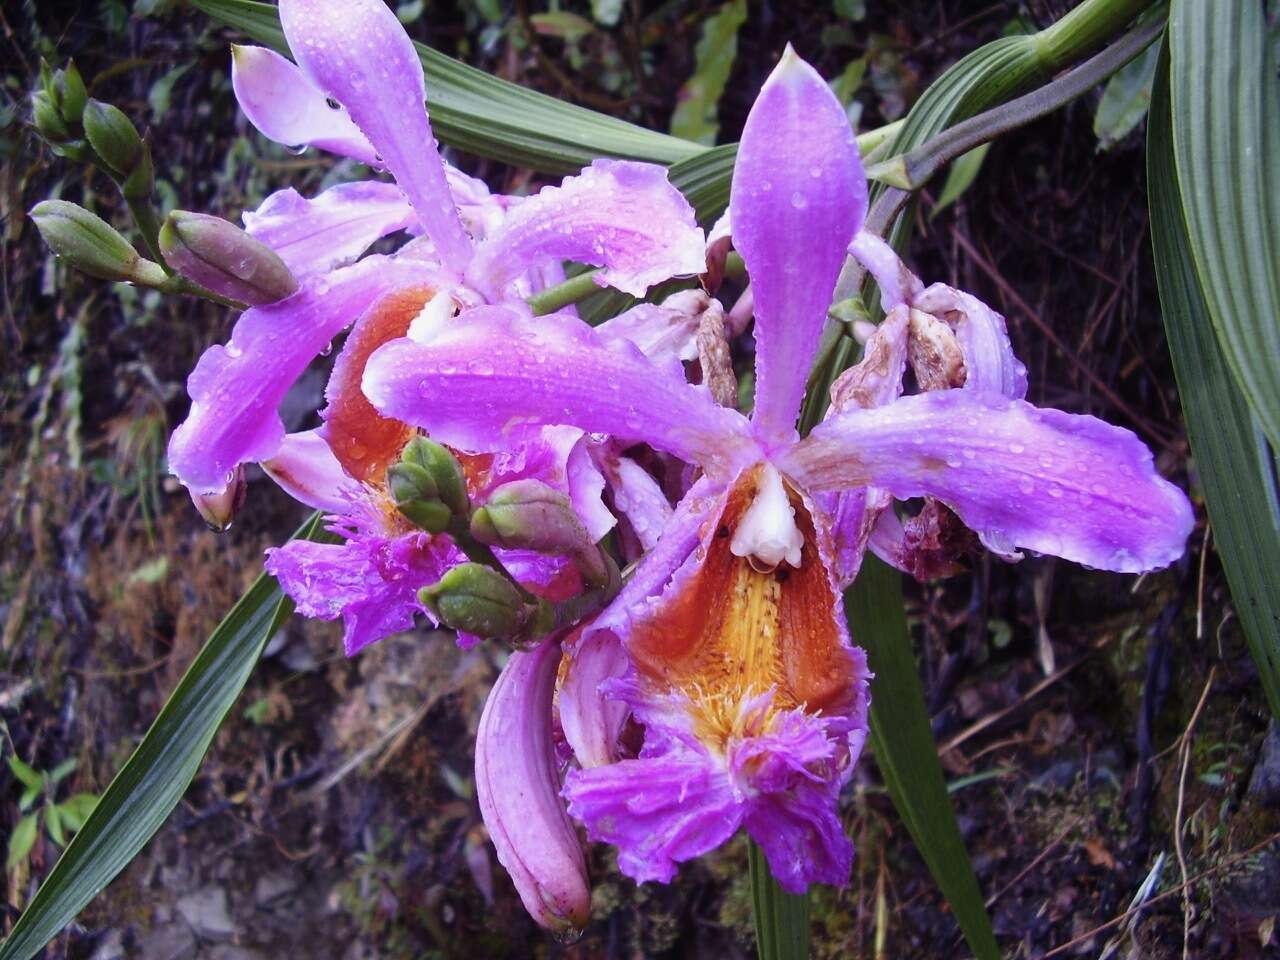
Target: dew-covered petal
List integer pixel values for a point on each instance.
(357, 52)
(621, 215)
(518, 787)
(494, 372)
(237, 388)
(339, 225)
(1019, 476)
(364, 441)
(305, 468)
(897, 284)
(989, 362)
(286, 106)
(798, 197)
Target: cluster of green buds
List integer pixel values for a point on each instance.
(481, 597)
(191, 253)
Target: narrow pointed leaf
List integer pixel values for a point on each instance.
(1225, 116)
(154, 778)
(1231, 458)
(905, 751)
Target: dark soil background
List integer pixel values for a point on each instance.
(335, 815)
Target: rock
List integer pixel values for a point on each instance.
(1264, 785)
(172, 942)
(206, 911)
(272, 886)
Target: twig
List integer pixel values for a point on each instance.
(1000, 714)
(1177, 819)
(1039, 858)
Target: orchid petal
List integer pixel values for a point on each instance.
(658, 811)
(357, 52)
(1049, 481)
(620, 215)
(636, 495)
(313, 236)
(798, 197)
(518, 789)
(592, 722)
(897, 284)
(305, 468)
(495, 371)
(236, 389)
(664, 333)
(989, 360)
(285, 106)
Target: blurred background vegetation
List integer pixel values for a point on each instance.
(336, 816)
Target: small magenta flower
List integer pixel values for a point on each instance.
(729, 644)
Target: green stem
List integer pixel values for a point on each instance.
(1085, 28)
(562, 294)
(781, 918)
(148, 222)
(912, 170)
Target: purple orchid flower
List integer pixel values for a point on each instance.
(358, 89)
(729, 644)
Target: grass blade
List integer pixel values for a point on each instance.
(1231, 458)
(905, 751)
(1225, 120)
(154, 778)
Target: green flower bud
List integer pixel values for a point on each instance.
(220, 256)
(113, 136)
(90, 244)
(139, 184)
(48, 118)
(416, 496)
(73, 95)
(445, 470)
(479, 600)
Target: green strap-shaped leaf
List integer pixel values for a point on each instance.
(781, 918)
(154, 778)
(484, 115)
(1225, 115)
(905, 751)
(1230, 454)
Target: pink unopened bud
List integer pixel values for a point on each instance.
(220, 256)
(518, 786)
(530, 515)
(220, 508)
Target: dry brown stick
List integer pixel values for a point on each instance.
(1230, 861)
